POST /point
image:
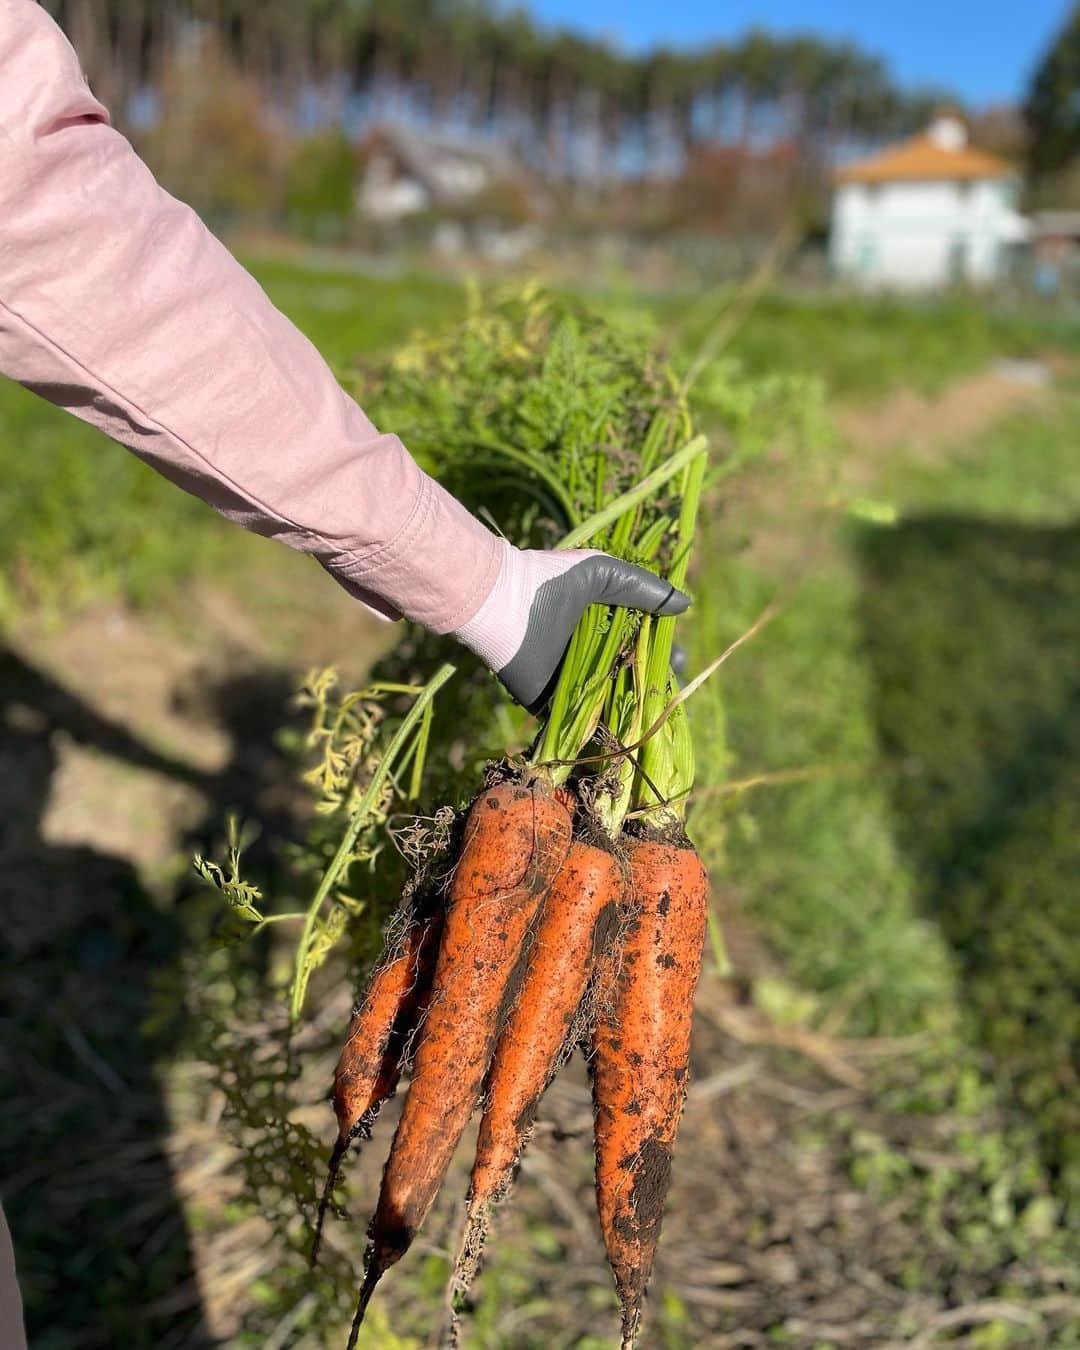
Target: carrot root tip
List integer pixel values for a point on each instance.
(466, 1269)
(631, 1325)
(333, 1170)
(372, 1277)
(451, 1336)
(467, 1266)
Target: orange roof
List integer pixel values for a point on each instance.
(920, 159)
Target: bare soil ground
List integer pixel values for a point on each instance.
(152, 682)
(931, 424)
(926, 430)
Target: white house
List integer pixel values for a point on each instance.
(464, 193)
(931, 211)
(407, 172)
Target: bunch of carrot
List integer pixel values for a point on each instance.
(573, 915)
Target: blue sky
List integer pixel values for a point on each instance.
(984, 51)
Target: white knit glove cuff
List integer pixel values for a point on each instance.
(497, 630)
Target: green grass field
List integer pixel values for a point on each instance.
(82, 519)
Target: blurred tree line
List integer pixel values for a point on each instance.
(1052, 114)
(576, 108)
(757, 122)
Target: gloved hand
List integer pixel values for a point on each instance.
(522, 629)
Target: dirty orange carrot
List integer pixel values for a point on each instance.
(641, 1053)
(579, 916)
(515, 840)
(376, 1044)
(368, 1068)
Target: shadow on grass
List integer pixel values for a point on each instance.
(103, 1248)
(973, 635)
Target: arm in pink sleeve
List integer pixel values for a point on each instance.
(117, 304)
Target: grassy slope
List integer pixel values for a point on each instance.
(805, 694)
(864, 346)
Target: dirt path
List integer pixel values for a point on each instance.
(966, 408)
(904, 426)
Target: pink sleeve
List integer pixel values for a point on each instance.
(117, 304)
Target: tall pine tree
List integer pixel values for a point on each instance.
(1053, 104)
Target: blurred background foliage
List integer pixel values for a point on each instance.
(742, 134)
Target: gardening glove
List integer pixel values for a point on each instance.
(522, 629)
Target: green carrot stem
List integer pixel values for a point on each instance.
(623, 716)
(279, 918)
(400, 742)
(559, 712)
(666, 760)
(582, 689)
(640, 492)
(535, 464)
(592, 653)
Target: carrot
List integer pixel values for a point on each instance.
(370, 1062)
(515, 840)
(380, 1031)
(641, 1053)
(579, 916)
